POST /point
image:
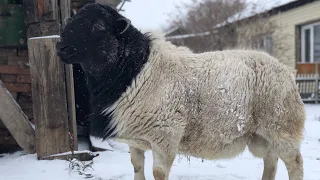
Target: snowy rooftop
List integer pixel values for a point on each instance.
(260, 6)
(254, 7)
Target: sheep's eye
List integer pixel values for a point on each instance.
(99, 26)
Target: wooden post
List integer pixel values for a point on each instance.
(16, 121)
(45, 18)
(317, 82)
(49, 97)
(66, 12)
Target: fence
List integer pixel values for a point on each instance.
(309, 86)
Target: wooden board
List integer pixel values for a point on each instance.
(65, 12)
(81, 156)
(43, 29)
(307, 68)
(71, 105)
(49, 97)
(45, 18)
(31, 11)
(16, 121)
(65, 7)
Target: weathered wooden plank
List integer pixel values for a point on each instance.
(48, 10)
(49, 99)
(71, 105)
(49, 28)
(43, 29)
(50, 16)
(33, 30)
(65, 12)
(16, 121)
(65, 7)
(81, 156)
(31, 11)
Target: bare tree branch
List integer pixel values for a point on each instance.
(218, 24)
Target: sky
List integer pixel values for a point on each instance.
(149, 14)
(153, 14)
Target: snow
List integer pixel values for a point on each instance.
(116, 165)
(97, 142)
(109, 144)
(258, 6)
(43, 37)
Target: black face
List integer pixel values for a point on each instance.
(92, 34)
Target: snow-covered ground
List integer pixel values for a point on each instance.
(117, 166)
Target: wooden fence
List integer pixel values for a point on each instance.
(309, 86)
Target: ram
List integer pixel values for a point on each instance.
(155, 96)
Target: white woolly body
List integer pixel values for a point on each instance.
(211, 104)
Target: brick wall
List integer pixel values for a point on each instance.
(15, 75)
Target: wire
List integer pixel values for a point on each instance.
(122, 4)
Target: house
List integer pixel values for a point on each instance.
(298, 23)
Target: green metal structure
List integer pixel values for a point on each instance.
(12, 25)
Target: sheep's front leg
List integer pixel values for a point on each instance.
(162, 161)
(137, 160)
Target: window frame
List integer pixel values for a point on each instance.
(303, 45)
(263, 37)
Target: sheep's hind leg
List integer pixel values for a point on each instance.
(270, 166)
(162, 161)
(294, 163)
(137, 160)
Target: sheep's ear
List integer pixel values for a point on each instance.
(67, 20)
(122, 24)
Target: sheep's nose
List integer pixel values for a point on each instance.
(60, 46)
(61, 53)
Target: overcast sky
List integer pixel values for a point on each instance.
(153, 14)
(149, 14)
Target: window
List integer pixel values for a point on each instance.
(310, 43)
(263, 42)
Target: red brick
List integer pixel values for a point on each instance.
(4, 52)
(3, 62)
(18, 61)
(3, 59)
(8, 78)
(24, 79)
(17, 87)
(23, 53)
(7, 69)
(18, 58)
